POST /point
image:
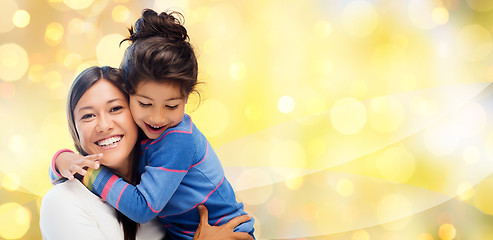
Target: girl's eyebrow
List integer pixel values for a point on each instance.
(169, 99)
(91, 107)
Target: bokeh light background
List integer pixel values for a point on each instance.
(334, 119)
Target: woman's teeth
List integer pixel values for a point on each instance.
(109, 141)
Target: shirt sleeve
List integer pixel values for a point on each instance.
(168, 161)
(55, 176)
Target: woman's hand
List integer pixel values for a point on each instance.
(224, 232)
(68, 164)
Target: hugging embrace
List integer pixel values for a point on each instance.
(143, 170)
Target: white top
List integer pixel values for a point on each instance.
(70, 211)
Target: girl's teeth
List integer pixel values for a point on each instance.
(109, 141)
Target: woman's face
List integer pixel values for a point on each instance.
(105, 125)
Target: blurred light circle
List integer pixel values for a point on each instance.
(120, 13)
(483, 197)
(14, 220)
(8, 9)
(396, 164)
(21, 18)
(345, 187)
(52, 79)
(440, 15)
(294, 183)
(348, 116)
(14, 62)
(473, 43)
(465, 191)
(392, 207)
(471, 155)
(386, 114)
(237, 71)
(420, 13)
(53, 34)
(108, 50)
(213, 117)
(11, 182)
(480, 5)
(447, 231)
(285, 104)
(78, 4)
(360, 18)
(250, 180)
(7, 90)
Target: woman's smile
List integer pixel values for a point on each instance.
(109, 142)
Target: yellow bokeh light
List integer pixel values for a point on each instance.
(14, 220)
(226, 19)
(120, 13)
(17, 143)
(483, 197)
(21, 18)
(285, 104)
(474, 43)
(345, 187)
(471, 155)
(360, 18)
(53, 79)
(425, 236)
(386, 115)
(480, 5)
(392, 207)
(11, 182)
(108, 51)
(36, 72)
(294, 183)
(440, 15)
(7, 90)
(252, 178)
(325, 67)
(238, 71)
(447, 232)
(465, 191)
(396, 164)
(420, 13)
(9, 7)
(323, 28)
(77, 26)
(211, 117)
(348, 116)
(72, 61)
(14, 62)
(360, 235)
(78, 4)
(54, 34)
(253, 112)
(288, 154)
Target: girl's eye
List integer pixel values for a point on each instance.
(172, 107)
(87, 116)
(144, 104)
(115, 109)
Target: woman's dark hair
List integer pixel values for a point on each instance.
(81, 84)
(160, 51)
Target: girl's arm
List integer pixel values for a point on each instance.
(168, 162)
(65, 164)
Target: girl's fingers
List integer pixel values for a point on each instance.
(67, 174)
(204, 215)
(89, 163)
(238, 220)
(77, 169)
(94, 157)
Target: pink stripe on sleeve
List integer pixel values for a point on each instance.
(108, 186)
(171, 170)
(120, 196)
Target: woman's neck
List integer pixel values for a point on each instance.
(125, 171)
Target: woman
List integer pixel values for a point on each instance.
(100, 122)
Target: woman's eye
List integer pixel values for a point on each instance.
(144, 104)
(172, 107)
(117, 108)
(87, 116)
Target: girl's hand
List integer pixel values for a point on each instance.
(224, 232)
(68, 164)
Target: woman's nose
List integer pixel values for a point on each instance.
(104, 123)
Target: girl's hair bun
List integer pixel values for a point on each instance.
(165, 25)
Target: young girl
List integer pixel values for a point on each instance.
(179, 169)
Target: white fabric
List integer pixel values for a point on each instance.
(70, 211)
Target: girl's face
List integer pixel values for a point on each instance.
(104, 124)
(156, 107)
